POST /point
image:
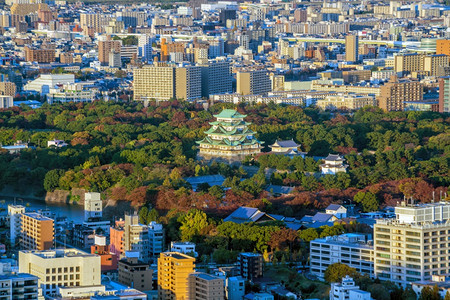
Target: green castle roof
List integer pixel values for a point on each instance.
(230, 114)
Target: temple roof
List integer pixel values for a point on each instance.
(285, 144)
(230, 114)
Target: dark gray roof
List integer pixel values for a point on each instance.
(279, 189)
(321, 217)
(333, 207)
(245, 214)
(287, 144)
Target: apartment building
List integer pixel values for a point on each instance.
(155, 81)
(106, 47)
(340, 88)
(351, 249)
(216, 78)
(235, 288)
(173, 275)
(351, 48)
(155, 239)
(415, 62)
(396, 91)
(39, 55)
(415, 245)
(18, 286)
(135, 273)
(443, 47)
(188, 83)
(253, 82)
(97, 22)
(61, 268)
(135, 237)
(444, 94)
(8, 89)
(250, 265)
(349, 101)
(15, 213)
(116, 237)
(205, 286)
(36, 231)
(434, 64)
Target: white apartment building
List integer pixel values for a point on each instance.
(415, 245)
(183, 247)
(347, 290)
(61, 267)
(15, 213)
(70, 93)
(6, 101)
(155, 239)
(351, 249)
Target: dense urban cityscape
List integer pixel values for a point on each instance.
(240, 150)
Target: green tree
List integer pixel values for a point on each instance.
(143, 213)
(51, 179)
(430, 293)
(308, 235)
(447, 296)
(192, 224)
(152, 216)
(367, 200)
(335, 272)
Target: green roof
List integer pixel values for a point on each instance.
(230, 114)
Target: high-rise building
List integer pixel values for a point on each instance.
(61, 268)
(188, 83)
(93, 207)
(155, 239)
(135, 237)
(39, 55)
(235, 288)
(396, 91)
(216, 78)
(36, 232)
(251, 265)
(253, 82)
(145, 47)
(135, 273)
(414, 245)
(15, 213)
(444, 94)
(205, 286)
(105, 47)
(434, 64)
(116, 238)
(115, 60)
(96, 21)
(155, 81)
(173, 275)
(351, 48)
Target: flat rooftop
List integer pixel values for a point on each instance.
(59, 253)
(37, 216)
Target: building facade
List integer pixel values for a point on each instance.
(254, 82)
(394, 93)
(205, 286)
(444, 94)
(351, 48)
(36, 232)
(156, 82)
(251, 265)
(135, 273)
(173, 275)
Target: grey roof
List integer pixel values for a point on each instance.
(333, 207)
(279, 189)
(334, 157)
(287, 144)
(321, 217)
(209, 179)
(307, 219)
(245, 214)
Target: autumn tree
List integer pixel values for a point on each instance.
(335, 272)
(430, 293)
(283, 239)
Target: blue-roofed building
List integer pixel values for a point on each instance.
(209, 179)
(248, 214)
(279, 190)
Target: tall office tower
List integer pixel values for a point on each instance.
(135, 273)
(188, 83)
(105, 47)
(173, 275)
(92, 206)
(206, 286)
(155, 239)
(351, 48)
(36, 232)
(15, 213)
(396, 91)
(96, 21)
(216, 48)
(216, 78)
(414, 245)
(250, 265)
(135, 236)
(156, 81)
(145, 47)
(61, 268)
(254, 82)
(444, 94)
(132, 18)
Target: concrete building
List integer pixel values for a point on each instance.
(106, 47)
(155, 81)
(8, 88)
(116, 238)
(135, 273)
(15, 213)
(434, 64)
(444, 94)
(250, 265)
(70, 93)
(39, 55)
(333, 164)
(183, 247)
(394, 93)
(61, 267)
(347, 290)
(6, 101)
(36, 232)
(135, 237)
(235, 288)
(351, 249)
(155, 239)
(205, 286)
(173, 275)
(413, 246)
(93, 207)
(45, 82)
(443, 47)
(348, 101)
(216, 78)
(18, 286)
(351, 48)
(253, 82)
(115, 60)
(417, 62)
(188, 83)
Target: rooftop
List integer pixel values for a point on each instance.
(37, 216)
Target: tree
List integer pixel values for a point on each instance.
(282, 239)
(308, 235)
(367, 200)
(331, 230)
(51, 179)
(192, 224)
(335, 272)
(447, 296)
(152, 216)
(143, 213)
(430, 293)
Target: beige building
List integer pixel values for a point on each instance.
(61, 268)
(351, 47)
(396, 91)
(414, 62)
(188, 83)
(253, 82)
(348, 101)
(98, 22)
(317, 86)
(434, 64)
(135, 236)
(135, 273)
(155, 81)
(36, 232)
(173, 275)
(205, 286)
(413, 246)
(105, 48)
